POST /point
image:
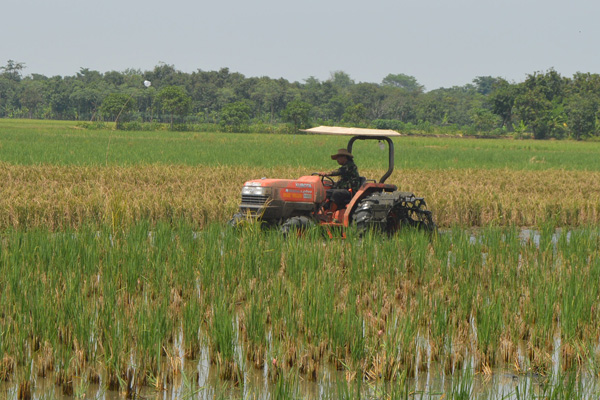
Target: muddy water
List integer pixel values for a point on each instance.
(501, 384)
(200, 381)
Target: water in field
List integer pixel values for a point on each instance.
(199, 380)
(203, 384)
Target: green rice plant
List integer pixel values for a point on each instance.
(256, 331)
(398, 389)
(346, 334)
(222, 331)
(64, 143)
(567, 386)
(347, 390)
(285, 388)
(223, 342)
(489, 319)
(399, 341)
(88, 300)
(317, 302)
(462, 385)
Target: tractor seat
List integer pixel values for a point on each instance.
(363, 180)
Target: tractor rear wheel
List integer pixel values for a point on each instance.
(411, 212)
(364, 217)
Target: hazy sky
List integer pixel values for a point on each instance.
(442, 43)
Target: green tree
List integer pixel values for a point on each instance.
(32, 95)
(485, 84)
(582, 113)
(268, 95)
(336, 107)
(355, 113)
(298, 113)
(432, 107)
(550, 84)
(399, 104)
(235, 117)
(502, 100)
(483, 119)
(324, 97)
(12, 70)
(371, 96)
(341, 80)
(535, 110)
(59, 92)
(174, 101)
(403, 81)
(86, 98)
(585, 83)
(117, 106)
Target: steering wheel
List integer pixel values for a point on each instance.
(325, 180)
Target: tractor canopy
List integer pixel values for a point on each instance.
(342, 131)
(361, 134)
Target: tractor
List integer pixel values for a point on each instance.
(296, 204)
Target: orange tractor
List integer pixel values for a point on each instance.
(295, 204)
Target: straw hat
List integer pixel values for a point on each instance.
(342, 152)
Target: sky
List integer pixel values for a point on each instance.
(442, 43)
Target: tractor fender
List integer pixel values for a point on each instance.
(365, 190)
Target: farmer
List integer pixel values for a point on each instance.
(349, 181)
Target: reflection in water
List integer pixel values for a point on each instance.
(197, 380)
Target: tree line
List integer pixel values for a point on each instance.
(545, 105)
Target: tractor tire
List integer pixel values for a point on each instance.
(296, 225)
(390, 212)
(364, 215)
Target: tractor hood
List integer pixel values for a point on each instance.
(304, 189)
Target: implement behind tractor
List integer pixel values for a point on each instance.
(294, 204)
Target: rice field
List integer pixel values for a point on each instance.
(117, 271)
(131, 308)
(27, 142)
(59, 197)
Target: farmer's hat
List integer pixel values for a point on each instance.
(342, 152)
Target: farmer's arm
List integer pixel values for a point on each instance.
(335, 172)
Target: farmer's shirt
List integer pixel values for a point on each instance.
(349, 178)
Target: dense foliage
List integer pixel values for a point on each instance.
(545, 105)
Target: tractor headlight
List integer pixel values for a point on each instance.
(254, 190)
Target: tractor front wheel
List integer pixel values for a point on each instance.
(296, 225)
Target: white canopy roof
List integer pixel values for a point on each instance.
(338, 130)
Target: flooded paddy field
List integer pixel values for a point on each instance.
(166, 311)
(115, 281)
(202, 384)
